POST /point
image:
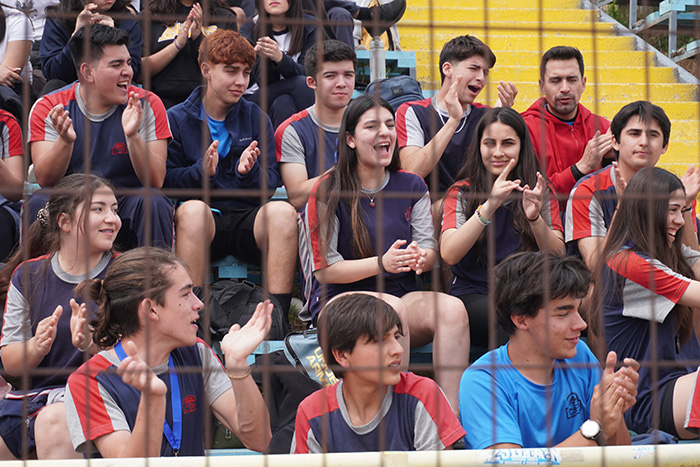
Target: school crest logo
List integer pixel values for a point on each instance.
(189, 404)
(573, 406)
(119, 149)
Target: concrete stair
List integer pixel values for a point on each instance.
(618, 70)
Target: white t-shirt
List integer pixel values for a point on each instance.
(18, 27)
(36, 9)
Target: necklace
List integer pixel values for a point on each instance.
(371, 197)
(444, 122)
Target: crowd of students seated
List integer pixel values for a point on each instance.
(549, 221)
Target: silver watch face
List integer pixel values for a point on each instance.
(590, 429)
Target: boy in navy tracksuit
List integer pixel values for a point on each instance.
(227, 143)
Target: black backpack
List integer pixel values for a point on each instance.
(232, 302)
(396, 90)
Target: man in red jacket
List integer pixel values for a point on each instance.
(569, 139)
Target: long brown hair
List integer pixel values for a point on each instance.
(343, 182)
(481, 181)
(295, 14)
(44, 235)
(641, 223)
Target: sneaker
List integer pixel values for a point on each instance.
(392, 12)
(387, 15)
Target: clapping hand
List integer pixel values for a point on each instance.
(533, 199)
(62, 123)
(240, 342)
(132, 116)
(80, 330)
(248, 158)
(45, 334)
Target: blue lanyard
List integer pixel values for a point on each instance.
(174, 435)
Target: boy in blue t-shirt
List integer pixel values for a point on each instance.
(547, 384)
(375, 407)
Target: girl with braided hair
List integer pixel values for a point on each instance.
(44, 331)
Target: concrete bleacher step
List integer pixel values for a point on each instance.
(495, 28)
(506, 57)
(440, 12)
(494, 5)
(518, 43)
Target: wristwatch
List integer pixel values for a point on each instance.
(590, 429)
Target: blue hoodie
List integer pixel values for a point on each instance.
(184, 165)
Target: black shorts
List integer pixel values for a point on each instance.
(667, 422)
(235, 234)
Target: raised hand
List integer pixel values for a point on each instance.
(45, 334)
(620, 182)
(267, 47)
(610, 397)
(80, 330)
(248, 158)
(211, 159)
(533, 199)
(502, 187)
(195, 16)
(595, 150)
(183, 32)
(240, 342)
(691, 182)
(62, 123)
(132, 116)
(625, 382)
(85, 16)
(506, 94)
(103, 19)
(134, 371)
(452, 104)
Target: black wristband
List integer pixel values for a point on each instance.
(578, 175)
(381, 266)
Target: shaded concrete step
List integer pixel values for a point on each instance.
(495, 5)
(623, 58)
(442, 32)
(525, 72)
(414, 39)
(441, 13)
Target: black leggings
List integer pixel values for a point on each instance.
(8, 234)
(477, 306)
